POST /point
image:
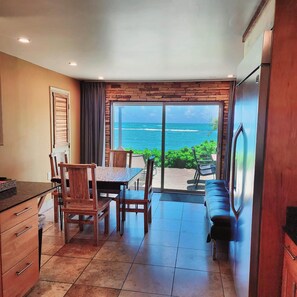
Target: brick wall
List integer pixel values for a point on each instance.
(168, 92)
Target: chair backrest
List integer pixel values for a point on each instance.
(55, 159)
(138, 161)
(148, 188)
(77, 178)
(120, 158)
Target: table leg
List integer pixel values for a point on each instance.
(123, 210)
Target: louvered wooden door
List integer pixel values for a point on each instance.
(60, 120)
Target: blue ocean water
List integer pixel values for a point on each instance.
(139, 136)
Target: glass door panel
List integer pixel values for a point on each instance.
(189, 127)
(139, 128)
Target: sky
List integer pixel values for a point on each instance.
(174, 113)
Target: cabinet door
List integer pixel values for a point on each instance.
(289, 283)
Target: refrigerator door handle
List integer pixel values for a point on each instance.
(231, 189)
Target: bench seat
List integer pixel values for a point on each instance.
(218, 212)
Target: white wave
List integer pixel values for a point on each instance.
(158, 130)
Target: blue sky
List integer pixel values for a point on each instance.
(174, 114)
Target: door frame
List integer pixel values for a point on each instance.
(163, 105)
(54, 148)
(219, 140)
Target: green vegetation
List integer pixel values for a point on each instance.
(182, 158)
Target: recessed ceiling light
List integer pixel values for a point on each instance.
(100, 77)
(230, 75)
(23, 40)
(72, 63)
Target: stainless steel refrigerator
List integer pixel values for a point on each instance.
(247, 161)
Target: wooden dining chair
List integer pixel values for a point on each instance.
(56, 158)
(120, 158)
(81, 201)
(139, 201)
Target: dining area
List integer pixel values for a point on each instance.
(84, 192)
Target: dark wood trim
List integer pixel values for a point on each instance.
(254, 19)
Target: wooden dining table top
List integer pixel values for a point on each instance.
(118, 175)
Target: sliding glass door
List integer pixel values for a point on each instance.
(172, 133)
(191, 139)
(139, 127)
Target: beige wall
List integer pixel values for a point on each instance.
(26, 118)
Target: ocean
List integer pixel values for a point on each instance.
(139, 136)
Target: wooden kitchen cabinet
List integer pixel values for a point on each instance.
(19, 248)
(19, 252)
(289, 282)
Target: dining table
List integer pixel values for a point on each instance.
(113, 179)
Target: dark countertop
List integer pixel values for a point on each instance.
(291, 223)
(24, 191)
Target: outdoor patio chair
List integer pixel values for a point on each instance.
(204, 167)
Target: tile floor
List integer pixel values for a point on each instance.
(173, 259)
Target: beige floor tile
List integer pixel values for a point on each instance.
(49, 289)
(88, 233)
(165, 225)
(228, 285)
(149, 279)
(157, 255)
(225, 266)
(138, 294)
(197, 260)
(48, 224)
(187, 240)
(90, 291)
(44, 259)
(51, 244)
(80, 248)
(163, 238)
(63, 269)
(192, 283)
(195, 227)
(105, 274)
(55, 230)
(117, 251)
(131, 236)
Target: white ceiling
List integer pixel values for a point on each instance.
(128, 39)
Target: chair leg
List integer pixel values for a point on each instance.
(145, 213)
(66, 227)
(81, 226)
(56, 206)
(197, 180)
(214, 250)
(96, 233)
(106, 221)
(61, 217)
(118, 218)
(150, 214)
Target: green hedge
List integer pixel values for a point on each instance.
(182, 158)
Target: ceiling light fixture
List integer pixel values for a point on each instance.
(230, 75)
(23, 40)
(72, 64)
(100, 77)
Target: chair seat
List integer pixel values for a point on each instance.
(82, 208)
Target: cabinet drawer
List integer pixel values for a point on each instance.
(17, 214)
(18, 242)
(21, 277)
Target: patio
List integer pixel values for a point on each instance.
(180, 179)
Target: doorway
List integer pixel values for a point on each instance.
(169, 132)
